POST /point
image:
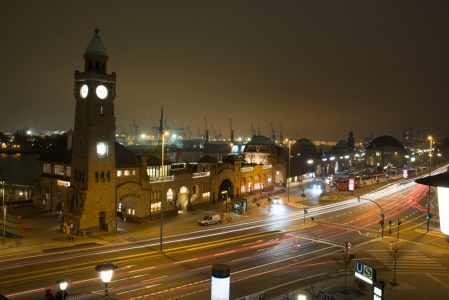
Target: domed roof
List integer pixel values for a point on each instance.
(260, 140)
(231, 158)
(341, 146)
(304, 142)
(208, 159)
(96, 46)
(385, 140)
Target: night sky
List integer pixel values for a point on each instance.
(319, 68)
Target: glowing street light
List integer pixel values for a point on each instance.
(428, 193)
(162, 191)
(63, 283)
(288, 174)
(106, 270)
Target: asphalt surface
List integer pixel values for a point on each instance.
(43, 232)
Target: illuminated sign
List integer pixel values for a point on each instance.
(378, 291)
(351, 184)
(404, 173)
(364, 272)
(64, 183)
(443, 203)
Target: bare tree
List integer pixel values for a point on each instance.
(395, 253)
(345, 261)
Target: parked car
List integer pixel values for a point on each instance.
(209, 220)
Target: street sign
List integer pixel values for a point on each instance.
(365, 272)
(378, 290)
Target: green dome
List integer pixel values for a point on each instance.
(260, 140)
(385, 140)
(96, 46)
(304, 142)
(341, 146)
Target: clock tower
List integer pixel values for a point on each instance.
(92, 197)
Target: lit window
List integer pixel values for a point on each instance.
(119, 173)
(126, 173)
(59, 170)
(47, 168)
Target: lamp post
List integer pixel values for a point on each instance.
(162, 192)
(63, 283)
(428, 193)
(106, 270)
(382, 215)
(4, 209)
(288, 174)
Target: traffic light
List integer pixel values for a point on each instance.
(428, 217)
(303, 195)
(304, 211)
(358, 198)
(313, 219)
(381, 223)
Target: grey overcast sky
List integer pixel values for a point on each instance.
(318, 69)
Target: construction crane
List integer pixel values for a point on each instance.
(280, 133)
(161, 126)
(220, 136)
(214, 133)
(206, 133)
(232, 131)
(189, 132)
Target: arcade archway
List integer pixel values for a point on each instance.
(225, 191)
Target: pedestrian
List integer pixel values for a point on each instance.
(49, 295)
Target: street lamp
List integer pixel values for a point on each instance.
(106, 270)
(4, 209)
(288, 174)
(382, 215)
(162, 191)
(428, 193)
(63, 283)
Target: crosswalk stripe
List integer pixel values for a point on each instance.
(410, 260)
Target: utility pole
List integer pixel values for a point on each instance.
(428, 193)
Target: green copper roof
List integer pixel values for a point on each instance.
(260, 140)
(96, 46)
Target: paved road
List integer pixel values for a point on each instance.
(43, 233)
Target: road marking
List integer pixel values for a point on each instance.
(409, 261)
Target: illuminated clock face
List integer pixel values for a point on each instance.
(102, 92)
(84, 91)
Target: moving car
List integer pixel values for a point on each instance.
(276, 200)
(209, 220)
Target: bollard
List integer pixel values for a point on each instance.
(221, 281)
(25, 226)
